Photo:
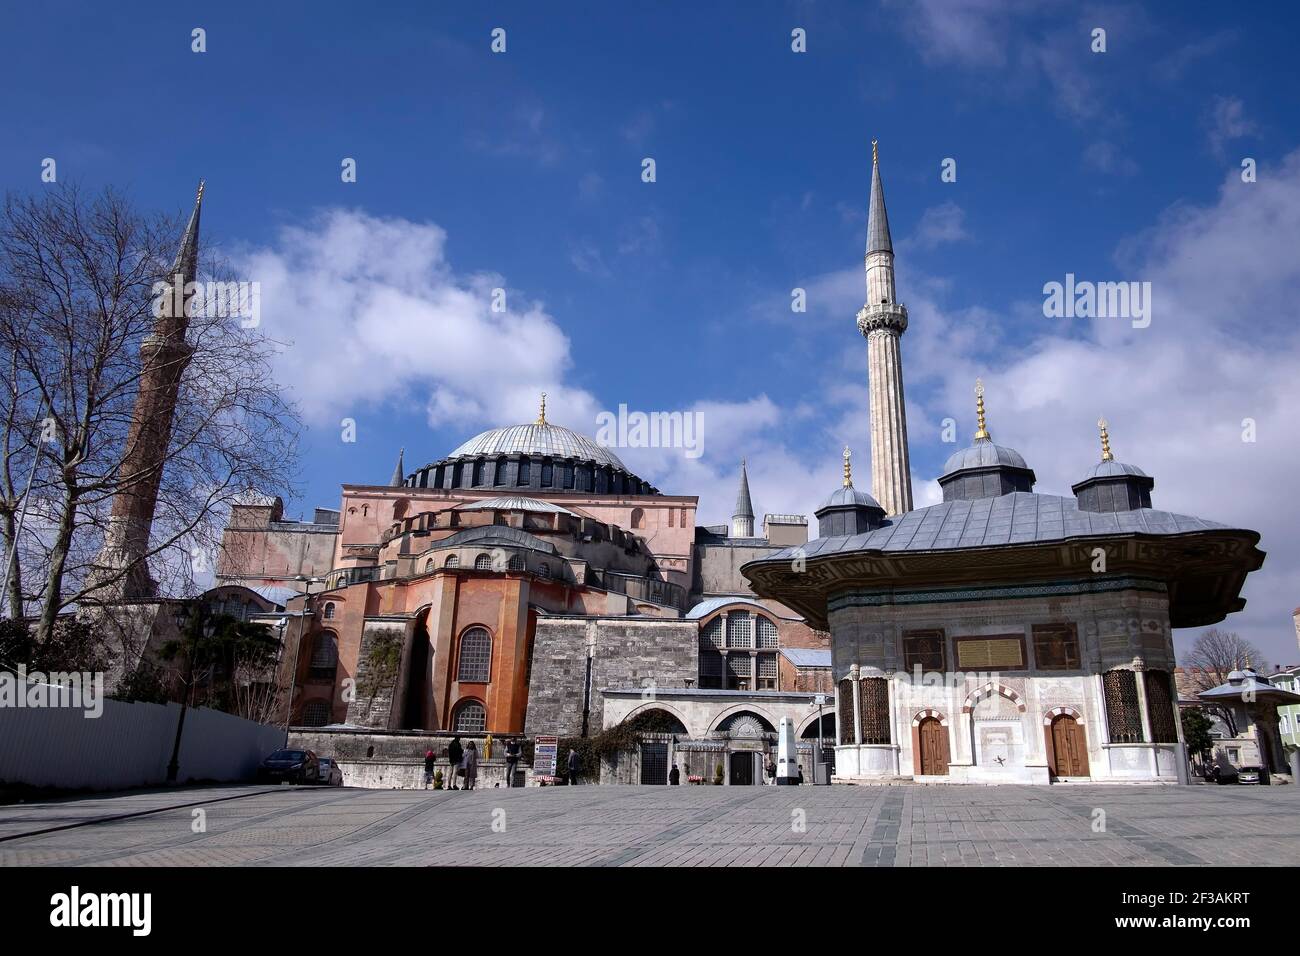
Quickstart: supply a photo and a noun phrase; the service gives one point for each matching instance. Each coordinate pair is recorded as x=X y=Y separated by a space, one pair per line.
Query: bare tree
x=1214 y=656
x=78 y=288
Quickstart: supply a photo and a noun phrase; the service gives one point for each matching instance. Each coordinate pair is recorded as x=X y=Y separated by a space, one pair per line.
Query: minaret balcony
x=890 y=316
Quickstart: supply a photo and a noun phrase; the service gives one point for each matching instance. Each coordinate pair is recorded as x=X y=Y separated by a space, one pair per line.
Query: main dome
x=536 y=439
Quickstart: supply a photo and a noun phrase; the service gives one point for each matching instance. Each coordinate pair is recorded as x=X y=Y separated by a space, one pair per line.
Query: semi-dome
x=537 y=439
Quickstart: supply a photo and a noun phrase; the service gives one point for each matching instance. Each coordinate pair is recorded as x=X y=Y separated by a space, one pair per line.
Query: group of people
x=462 y=761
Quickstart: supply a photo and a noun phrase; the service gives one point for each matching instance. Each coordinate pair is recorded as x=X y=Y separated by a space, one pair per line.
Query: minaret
x=742 y=519
x=164 y=354
x=399 y=473
x=883 y=321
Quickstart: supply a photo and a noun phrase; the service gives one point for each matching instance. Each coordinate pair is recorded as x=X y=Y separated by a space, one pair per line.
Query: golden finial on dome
x=1105 y=440
x=875 y=153
x=848 y=469
x=982 y=433
x=541 y=414
x=199 y=197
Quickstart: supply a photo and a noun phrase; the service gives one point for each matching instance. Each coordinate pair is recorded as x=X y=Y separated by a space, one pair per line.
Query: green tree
x=1196 y=733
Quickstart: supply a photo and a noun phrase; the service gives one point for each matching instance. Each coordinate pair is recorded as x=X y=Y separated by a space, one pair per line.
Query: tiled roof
x=807 y=656
x=554 y=440
x=1015 y=518
x=983 y=454
x=705 y=608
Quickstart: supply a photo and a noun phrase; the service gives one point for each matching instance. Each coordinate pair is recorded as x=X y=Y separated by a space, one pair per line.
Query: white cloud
x=939 y=224
x=371 y=308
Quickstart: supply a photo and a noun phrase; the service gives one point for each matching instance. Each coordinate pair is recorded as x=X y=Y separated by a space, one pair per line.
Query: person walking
x=674 y=776
x=770 y=770
x=512 y=760
x=470 y=762
x=428 y=768
x=573 y=767
x=454 y=753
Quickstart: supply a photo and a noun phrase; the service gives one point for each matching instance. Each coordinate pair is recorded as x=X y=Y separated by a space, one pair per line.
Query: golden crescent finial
x=982 y=432
x=199 y=197
x=848 y=468
x=1105 y=440
x=541 y=414
x=875 y=153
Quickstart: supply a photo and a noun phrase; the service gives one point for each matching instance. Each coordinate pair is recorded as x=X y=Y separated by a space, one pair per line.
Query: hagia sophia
x=528 y=582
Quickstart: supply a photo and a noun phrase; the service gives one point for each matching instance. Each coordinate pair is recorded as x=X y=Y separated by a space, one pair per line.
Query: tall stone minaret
x=883 y=321
x=742 y=519
x=399 y=473
x=164 y=354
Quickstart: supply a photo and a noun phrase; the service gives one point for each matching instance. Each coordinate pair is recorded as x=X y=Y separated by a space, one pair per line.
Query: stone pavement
x=667 y=826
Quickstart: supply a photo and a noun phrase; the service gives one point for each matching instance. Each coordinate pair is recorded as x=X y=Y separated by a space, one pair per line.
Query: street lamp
x=297 y=649
x=193 y=623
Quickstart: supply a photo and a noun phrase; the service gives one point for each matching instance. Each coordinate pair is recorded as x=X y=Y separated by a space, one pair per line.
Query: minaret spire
x=883 y=320
x=981 y=433
x=742 y=519
x=399 y=473
x=122 y=565
x=848 y=469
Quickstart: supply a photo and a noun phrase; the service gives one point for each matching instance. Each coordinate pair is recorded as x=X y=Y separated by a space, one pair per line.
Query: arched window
x=470 y=718
x=766 y=632
x=325 y=655
x=428 y=566
x=516 y=562
x=483 y=562
x=475 y=662
x=739 y=632
x=399 y=508
x=638 y=518
x=543 y=570
x=451 y=562
x=329 y=610
x=316 y=713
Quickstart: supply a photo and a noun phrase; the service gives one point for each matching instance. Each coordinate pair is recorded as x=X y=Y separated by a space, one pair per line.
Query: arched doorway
x=1069 y=750
x=932 y=747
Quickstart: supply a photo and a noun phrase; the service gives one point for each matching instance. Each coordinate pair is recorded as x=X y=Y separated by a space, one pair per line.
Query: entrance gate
x=654 y=762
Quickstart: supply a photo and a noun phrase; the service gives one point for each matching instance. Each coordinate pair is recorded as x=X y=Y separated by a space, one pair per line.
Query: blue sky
x=521 y=170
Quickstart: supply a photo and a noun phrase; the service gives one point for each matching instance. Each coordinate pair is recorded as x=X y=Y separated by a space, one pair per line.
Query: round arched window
x=543 y=570
x=329 y=610
x=451 y=562
x=516 y=562
x=471 y=718
x=483 y=562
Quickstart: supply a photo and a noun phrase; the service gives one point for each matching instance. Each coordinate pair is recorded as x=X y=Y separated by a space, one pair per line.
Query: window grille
x=739 y=630
x=316 y=713
x=452 y=561
x=471 y=718
x=1123 y=718
x=767 y=634
x=845 y=711
x=475 y=656
x=483 y=563
x=1160 y=708
x=713 y=632
x=875 y=710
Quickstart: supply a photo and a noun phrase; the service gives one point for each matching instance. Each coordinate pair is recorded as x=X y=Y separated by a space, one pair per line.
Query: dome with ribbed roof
x=1114 y=469
x=983 y=453
x=537 y=439
x=849 y=497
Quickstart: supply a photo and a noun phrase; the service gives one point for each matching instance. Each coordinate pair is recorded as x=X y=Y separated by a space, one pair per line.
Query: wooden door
x=1070 y=747
x=932 y=737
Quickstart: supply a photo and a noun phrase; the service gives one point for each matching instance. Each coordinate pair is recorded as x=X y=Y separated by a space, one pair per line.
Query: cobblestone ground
x=662 y=826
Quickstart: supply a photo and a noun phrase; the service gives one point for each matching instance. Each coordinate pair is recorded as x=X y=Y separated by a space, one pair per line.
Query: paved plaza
x=909 y=825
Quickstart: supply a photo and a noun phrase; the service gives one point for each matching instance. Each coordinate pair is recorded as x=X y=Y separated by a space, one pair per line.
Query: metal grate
x=875 y=710
x=845 y=721
x=767 y=636
x=740 y=631
x=1123 y=717
x=766 y=665
x=471 y=718
x=475 y=656
x=1160 y=707
x=713 y=632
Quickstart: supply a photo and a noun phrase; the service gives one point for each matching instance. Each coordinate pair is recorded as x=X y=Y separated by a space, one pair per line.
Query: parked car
x=1252 y=775
x=1221 y=775
x=295 y=766
x=330 y=774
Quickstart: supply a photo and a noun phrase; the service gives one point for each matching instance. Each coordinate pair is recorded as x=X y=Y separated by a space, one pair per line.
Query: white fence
x=128 y=745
